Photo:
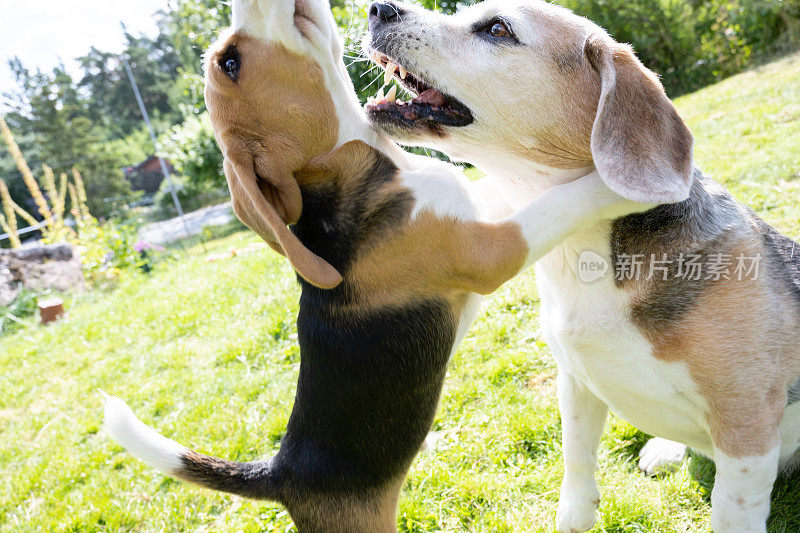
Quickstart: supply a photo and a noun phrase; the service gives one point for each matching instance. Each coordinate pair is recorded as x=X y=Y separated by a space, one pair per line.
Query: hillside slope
x=747 y=136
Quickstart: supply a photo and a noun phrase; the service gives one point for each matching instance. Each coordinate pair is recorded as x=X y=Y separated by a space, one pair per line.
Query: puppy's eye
x=231 y=67
x=230 y=62
x=499 y=30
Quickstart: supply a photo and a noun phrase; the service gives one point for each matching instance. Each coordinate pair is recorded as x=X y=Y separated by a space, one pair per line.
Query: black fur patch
x=251 y=480
x=335 y=225
x=366 y=396
x=703 y=224
x=370 y=382
x=794 y=393
x=784 y=262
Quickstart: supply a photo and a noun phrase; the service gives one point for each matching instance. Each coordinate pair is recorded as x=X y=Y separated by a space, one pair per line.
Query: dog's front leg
x=742 y=489
x=583 y=416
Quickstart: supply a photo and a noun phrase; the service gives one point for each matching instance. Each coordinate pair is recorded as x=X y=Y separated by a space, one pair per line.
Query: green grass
x=207 y=353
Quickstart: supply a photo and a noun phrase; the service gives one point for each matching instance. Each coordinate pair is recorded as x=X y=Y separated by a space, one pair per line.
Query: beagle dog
x=391 y=253
x=685 y=319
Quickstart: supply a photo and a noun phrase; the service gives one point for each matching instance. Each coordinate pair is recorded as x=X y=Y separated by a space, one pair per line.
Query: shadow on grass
x=628 y=444
x=785 y=515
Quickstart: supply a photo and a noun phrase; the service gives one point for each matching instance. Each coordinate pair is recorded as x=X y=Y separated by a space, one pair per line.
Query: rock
x=8 y=288
x=42 y=253
x=39 y=268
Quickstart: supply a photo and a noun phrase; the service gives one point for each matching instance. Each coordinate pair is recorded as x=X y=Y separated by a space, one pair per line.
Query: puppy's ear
x=640 y=145
x=267 y=207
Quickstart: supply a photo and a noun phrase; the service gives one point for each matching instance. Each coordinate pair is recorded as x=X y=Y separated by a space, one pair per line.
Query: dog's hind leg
x=661 y=456
x=583 y=416
x=742 y=489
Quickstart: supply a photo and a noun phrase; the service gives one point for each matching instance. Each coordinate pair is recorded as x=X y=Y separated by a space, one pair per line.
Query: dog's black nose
x=384 y=12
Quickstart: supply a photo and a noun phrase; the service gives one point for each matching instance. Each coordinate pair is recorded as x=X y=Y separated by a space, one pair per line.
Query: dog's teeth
x=403 y=73
x=379 y=97
x=392 y=95
x=391 y=68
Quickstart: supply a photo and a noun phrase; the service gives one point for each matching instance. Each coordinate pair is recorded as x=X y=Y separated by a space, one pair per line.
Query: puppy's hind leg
x=583 y=416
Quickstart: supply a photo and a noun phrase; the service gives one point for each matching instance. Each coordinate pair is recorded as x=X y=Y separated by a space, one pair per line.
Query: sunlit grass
x=207 y=353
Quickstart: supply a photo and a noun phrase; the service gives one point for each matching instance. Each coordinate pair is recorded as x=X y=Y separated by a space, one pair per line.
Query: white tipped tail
x=140 y=440
x=255 y=479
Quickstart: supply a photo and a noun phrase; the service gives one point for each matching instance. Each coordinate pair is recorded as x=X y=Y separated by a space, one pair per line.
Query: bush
x=693 y=43
x=108 y=251
x=194 y=153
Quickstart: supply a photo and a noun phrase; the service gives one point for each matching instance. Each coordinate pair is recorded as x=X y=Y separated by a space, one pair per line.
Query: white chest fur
x=588 y=329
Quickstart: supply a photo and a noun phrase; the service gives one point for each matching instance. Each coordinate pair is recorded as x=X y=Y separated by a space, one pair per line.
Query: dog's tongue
x=432 y=97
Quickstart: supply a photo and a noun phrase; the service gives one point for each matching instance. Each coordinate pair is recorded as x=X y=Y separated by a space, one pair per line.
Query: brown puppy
x=413 y=256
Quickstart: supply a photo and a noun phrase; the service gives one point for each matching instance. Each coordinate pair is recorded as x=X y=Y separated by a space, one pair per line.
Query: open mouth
x=429 y=107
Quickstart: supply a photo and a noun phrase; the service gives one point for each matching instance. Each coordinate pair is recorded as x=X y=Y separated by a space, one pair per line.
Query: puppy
x=391 y=255
x=694 y=334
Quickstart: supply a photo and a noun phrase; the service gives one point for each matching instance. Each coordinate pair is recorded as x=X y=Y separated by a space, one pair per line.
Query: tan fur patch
x=565 y=143
x=433 y=256
x=741 y=347
x=425 y=257
x=278 y=110
x=270 y=118
x=640 y=144
x=376 y=511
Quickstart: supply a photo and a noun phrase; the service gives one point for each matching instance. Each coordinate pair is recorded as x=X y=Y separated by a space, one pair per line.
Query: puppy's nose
x=384 y=12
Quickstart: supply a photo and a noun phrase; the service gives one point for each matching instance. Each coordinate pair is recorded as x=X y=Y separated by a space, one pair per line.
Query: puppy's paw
x=661 y=456
x=577 y=510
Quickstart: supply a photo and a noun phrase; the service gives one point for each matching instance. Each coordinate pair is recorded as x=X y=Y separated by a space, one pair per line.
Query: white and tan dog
x=694 y=333
x=392 y=254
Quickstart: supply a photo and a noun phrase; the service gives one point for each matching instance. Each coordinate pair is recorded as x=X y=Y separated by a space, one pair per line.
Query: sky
x=44 y=32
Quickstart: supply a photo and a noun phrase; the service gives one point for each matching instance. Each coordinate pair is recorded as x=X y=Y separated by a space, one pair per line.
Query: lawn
x=207 y=353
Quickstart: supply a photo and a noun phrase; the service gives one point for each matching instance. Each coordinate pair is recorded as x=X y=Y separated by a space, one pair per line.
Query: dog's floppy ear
x=640 y=145
x=267 y=207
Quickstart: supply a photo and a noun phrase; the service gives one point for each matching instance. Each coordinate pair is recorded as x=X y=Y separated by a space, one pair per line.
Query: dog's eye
x=231 y=63
x=495 y=31
x=231 y=67
x=499 y=30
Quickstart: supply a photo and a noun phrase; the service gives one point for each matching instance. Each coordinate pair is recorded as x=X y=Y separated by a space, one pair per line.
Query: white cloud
x=44 y=32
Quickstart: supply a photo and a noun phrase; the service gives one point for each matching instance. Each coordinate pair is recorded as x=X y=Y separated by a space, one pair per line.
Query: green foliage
x=692 y=43
x=111 y=251
x=194 y=25
x=94 y=123
x=193 y=151
x=20 y=314
x=55 y=128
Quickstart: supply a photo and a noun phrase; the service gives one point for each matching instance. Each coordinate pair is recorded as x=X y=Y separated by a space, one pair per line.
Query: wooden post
x=51 y=310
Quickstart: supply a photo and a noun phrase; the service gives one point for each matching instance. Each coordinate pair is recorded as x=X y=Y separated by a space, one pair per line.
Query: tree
x=49 y=113
x=155 y=63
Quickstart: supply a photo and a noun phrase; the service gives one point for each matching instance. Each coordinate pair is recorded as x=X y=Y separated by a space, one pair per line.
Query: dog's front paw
x=661 y=456
x=577 y=510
